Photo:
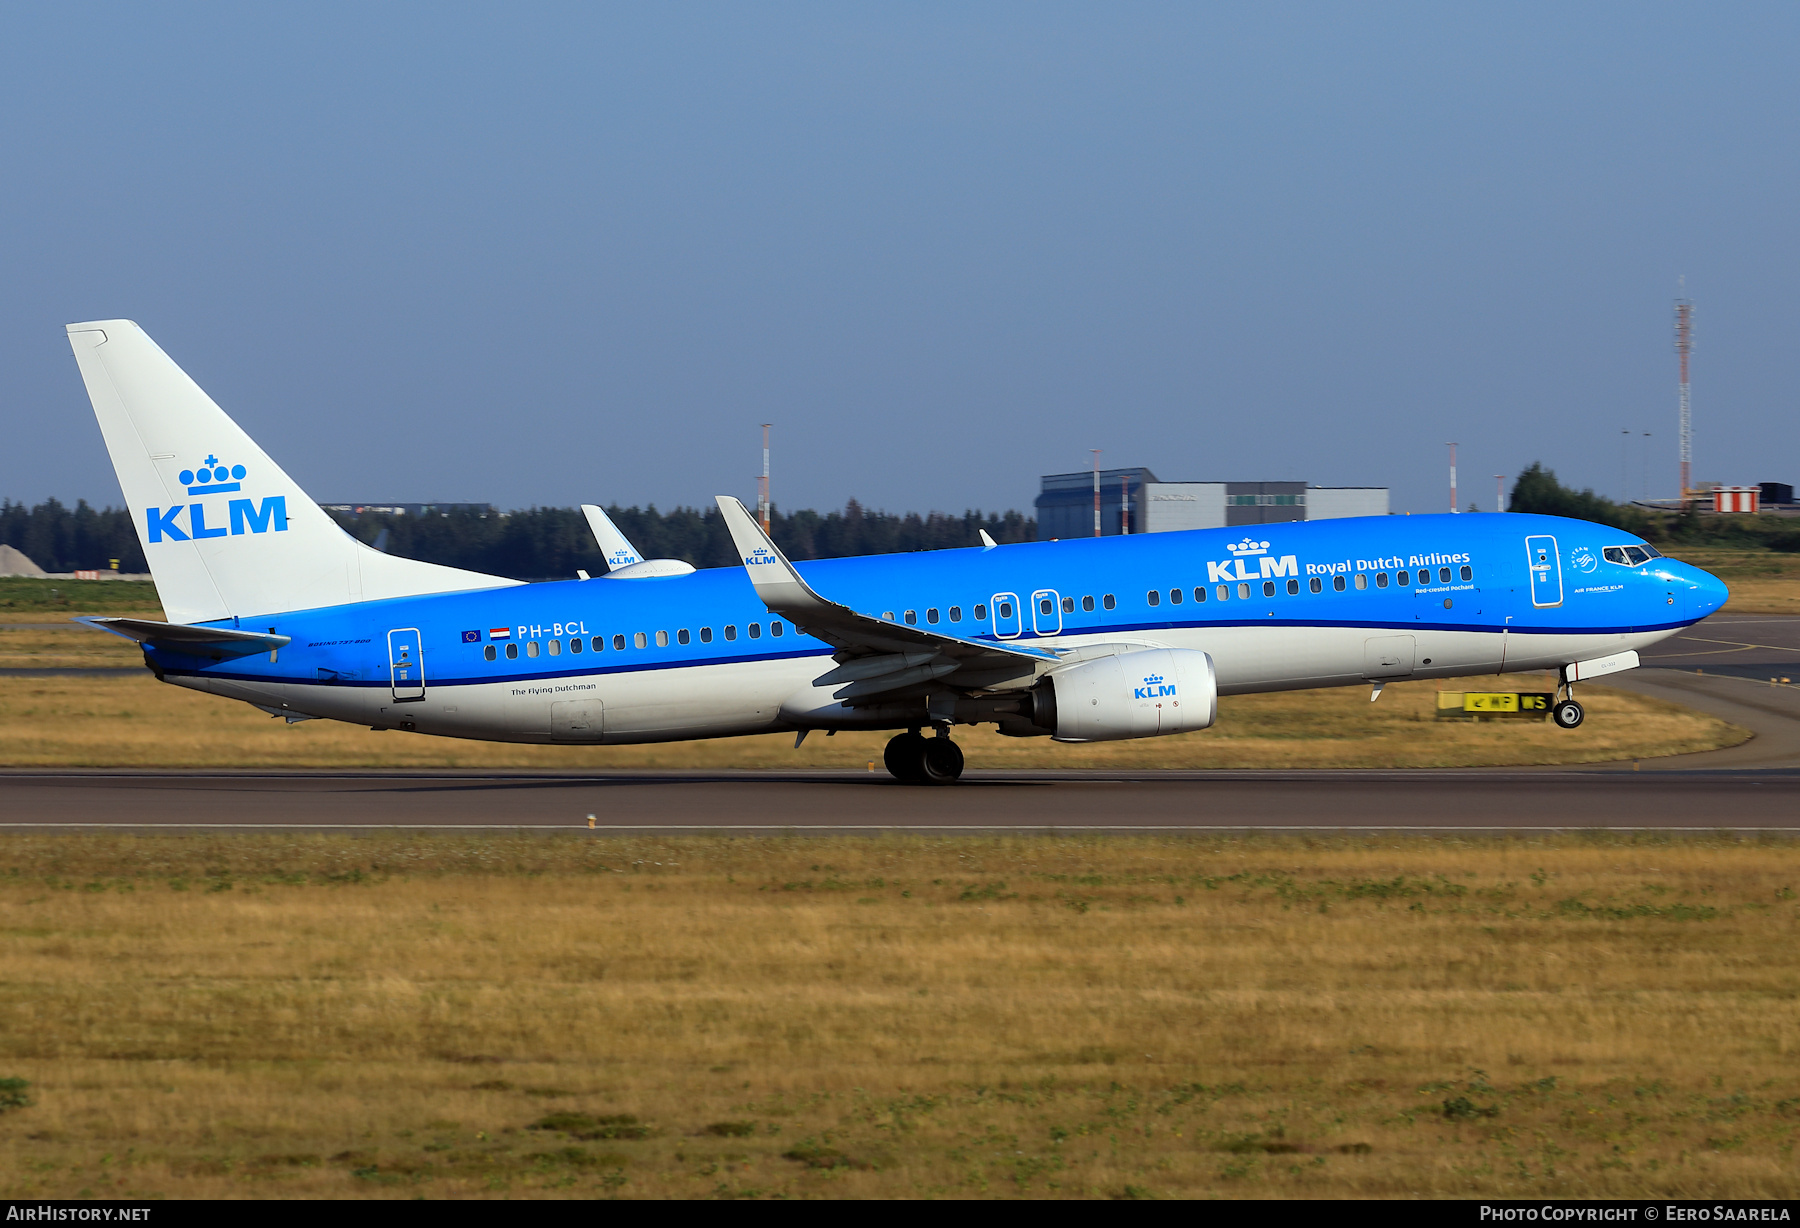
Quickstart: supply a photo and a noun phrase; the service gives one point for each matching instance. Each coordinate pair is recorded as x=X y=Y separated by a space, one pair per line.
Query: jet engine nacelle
x=1134 y=695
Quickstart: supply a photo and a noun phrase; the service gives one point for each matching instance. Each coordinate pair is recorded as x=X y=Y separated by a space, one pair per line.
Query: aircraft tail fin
x=618 y=551
x=226 y=531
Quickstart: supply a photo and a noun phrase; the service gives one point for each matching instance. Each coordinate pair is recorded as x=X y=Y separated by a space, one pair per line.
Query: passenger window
x=556 y=648
x=1153 y=597
x=1381 y=579
x=931 y=615
x=706 y=635
x=1006 y=609
x=1199 y=594
x=1443 y=575
x=1293 y=588
x=488 y=652
x=1337 y=584
x=1107 y=601
x=1174 y=596
x=1467 y=574
x=575 y=645
x=776 y=629
x=1087 y=603
x=955 y=613
x=512 y=652
x=531 y=649
x=912 y=618
x=1268 y=588
x=640 y=640
x=599 y=643
x=1315 y=585
x=1362 y=581
x=756 y=631
x=730 y=631
x=981 y=613
x=888 y=614
x=681 y=636
x=1243 y=592
x=662 y=639
x=1224 y=592
x=618 y=643
x=1403 y=579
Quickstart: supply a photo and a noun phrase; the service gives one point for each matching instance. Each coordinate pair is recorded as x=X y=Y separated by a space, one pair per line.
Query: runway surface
x=1751 y=788
x=835 y=801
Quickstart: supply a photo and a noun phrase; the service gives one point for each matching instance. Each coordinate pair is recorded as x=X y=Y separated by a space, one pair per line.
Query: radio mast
x=762 y=484
x=1452 y=448
x=1684 y=342
x=1096 y=452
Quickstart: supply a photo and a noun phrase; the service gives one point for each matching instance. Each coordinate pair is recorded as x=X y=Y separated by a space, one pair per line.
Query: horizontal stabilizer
x=215 y=642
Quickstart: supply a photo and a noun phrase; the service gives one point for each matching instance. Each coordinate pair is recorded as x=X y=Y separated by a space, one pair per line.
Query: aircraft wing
x=618 y=551
x=215 y=642
x=875 y=656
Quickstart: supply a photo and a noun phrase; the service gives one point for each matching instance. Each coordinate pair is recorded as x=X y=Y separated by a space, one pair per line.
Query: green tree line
x=1537 y=490
x=537 y=543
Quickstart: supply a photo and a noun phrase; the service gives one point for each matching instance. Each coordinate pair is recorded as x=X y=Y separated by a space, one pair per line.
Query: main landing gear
x=914 y=759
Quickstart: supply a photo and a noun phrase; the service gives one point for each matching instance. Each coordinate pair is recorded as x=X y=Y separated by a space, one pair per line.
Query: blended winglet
x=775 y=579
x=619 y=552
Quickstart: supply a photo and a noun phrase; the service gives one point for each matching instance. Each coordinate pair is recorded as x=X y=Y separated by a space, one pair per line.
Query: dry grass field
x=134 y=721
x=453 y=1016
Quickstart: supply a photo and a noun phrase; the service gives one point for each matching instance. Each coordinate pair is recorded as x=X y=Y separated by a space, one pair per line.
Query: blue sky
x=546 y=254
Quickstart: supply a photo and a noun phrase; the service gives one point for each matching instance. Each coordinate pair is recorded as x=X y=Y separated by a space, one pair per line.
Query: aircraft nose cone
x=1709 y=594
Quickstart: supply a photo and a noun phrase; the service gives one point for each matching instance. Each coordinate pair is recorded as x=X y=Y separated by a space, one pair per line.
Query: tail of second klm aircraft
x=226 y=531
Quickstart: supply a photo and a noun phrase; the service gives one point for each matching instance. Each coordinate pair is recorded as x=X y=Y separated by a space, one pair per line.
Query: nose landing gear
x=1567 y=714
x=914 y=759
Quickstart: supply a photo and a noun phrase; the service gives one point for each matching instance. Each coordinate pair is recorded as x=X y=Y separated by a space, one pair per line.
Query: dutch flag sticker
x=500 y=633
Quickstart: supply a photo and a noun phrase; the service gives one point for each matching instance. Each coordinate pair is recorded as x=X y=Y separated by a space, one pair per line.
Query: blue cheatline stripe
x=634 y=667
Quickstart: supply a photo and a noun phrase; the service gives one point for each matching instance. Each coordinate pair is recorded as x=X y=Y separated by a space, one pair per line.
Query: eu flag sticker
x=471 y=637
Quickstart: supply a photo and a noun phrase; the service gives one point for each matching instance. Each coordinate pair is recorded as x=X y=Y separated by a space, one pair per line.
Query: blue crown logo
x=1248 y=546
x=212 y=478
x=1152 y=679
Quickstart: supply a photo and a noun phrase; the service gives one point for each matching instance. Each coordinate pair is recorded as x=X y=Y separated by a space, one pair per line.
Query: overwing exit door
x=1546 y=570
x=406 y=665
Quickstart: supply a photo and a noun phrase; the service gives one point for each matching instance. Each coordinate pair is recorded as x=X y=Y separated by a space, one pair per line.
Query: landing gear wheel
x=943 y=762
x=905 y=758
x=1567 y=714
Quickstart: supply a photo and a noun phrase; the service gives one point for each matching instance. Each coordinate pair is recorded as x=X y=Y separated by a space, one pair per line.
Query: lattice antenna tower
x=1684 y=344
x=762 y=483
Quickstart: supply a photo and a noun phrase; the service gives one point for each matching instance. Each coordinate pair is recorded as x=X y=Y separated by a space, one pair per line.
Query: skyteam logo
x=1268 y=566
x=241 y=516
x=1154 y=688
x=759 y=556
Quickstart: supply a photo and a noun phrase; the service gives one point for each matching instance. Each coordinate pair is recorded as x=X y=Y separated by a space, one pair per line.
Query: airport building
x=1135 y=501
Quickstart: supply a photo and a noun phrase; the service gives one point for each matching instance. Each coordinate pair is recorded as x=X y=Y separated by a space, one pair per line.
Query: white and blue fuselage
x=1288 y=606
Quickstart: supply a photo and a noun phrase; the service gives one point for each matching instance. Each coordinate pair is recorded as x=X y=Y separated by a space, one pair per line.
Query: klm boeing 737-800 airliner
x=271 y=603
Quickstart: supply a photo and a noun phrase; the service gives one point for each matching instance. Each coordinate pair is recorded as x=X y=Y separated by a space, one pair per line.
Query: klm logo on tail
x=242 y=515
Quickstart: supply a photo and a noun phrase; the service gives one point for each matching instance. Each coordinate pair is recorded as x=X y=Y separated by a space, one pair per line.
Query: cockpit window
x=1630 y=556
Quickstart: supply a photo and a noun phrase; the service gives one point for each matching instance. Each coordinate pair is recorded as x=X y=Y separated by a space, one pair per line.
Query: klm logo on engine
x=241 y=516
x=1268 y=567
x=758 y=557
x=1154 y=688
